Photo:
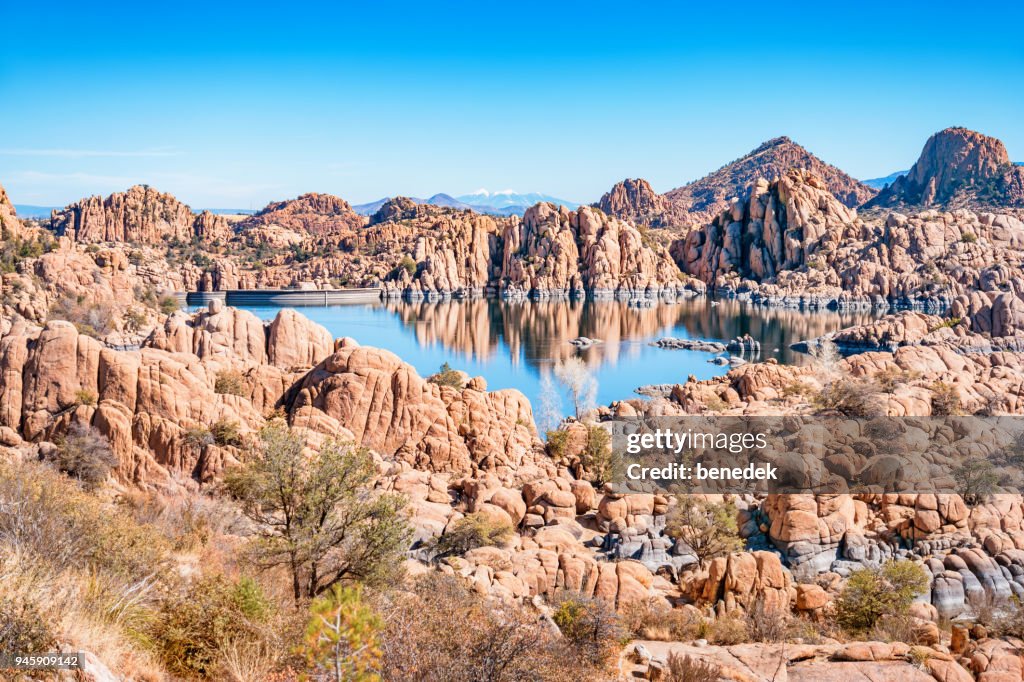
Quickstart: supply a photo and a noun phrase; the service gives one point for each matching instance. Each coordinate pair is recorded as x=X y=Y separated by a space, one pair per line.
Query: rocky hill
x=707 y=197
x=141 y=215
x=958 y=167
x=702 y=200
x=312 y=213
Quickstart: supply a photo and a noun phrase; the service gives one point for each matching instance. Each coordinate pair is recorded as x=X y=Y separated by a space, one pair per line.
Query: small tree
x=446 y=376
x=581 y=384
x=976 y=479
x=598 y=459
x=318 y=514
x=871 y=593
x=709 y=529
x=342 y=637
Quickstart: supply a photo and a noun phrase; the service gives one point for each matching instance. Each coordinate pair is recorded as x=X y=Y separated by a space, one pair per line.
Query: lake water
x=512 y=344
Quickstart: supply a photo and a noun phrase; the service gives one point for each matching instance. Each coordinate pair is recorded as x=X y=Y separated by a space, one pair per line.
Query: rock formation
x=312 y=213
x=636 y=202
x=957 y=167
x=10 y=224
x=791 y=243
x=140 y=214
x=709 y=196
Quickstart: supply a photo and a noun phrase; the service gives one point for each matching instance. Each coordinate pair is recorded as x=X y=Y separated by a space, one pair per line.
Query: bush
x=230 y=382
x=199 y=437
x=683 y=668
x=193 y=627
x=850 y=398
x=557 y=441
x=23 y=628
x=945 y=400
x=656 y=620
x=86 y=397
x=493 y=641
x=446 y=376
x=766 y=623
x=226 y=432
x=168 y=305
x=871 y=593
x=968 y=237
x=590 y=626
x=407 y=264
x=94 y=319
x=709 y=529
x=85 y=455
x=472 y=531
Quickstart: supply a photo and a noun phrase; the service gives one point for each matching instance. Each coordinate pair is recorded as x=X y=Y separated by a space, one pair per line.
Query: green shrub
x=871 y=593
x=968 y=237
x=557 y=442
x=84 y=396
x=168 y=305
x=471 y=531
x=226 y=432
x=976 y=479
x=446 y=376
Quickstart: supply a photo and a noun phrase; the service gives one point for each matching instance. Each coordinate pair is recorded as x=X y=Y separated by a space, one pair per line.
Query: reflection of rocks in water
x=542 y=331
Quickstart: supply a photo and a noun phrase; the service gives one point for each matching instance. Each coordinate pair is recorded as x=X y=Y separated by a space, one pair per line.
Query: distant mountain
x=482 y=201
x=31 y=211
x=880 y=183
x=507 y=199
x=957 y=167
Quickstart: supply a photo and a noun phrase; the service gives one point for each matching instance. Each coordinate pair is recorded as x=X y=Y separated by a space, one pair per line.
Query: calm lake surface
x=512 y=344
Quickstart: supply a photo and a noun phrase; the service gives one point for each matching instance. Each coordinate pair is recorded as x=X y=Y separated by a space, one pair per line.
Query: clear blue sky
x=232 y=106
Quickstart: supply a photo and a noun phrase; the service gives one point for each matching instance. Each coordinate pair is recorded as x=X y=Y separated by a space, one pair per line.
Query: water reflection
x=512 y=344
x=539 y=331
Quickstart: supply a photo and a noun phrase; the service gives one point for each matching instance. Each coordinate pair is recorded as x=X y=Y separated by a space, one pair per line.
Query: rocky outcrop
x=10 y=224
x=790 y=243
x=635 y=201
x=704 y=199
x=388 y=407
x=779 y=226
x=957 y=167
x=140 y=214
x=312 y=214
x=554 y=250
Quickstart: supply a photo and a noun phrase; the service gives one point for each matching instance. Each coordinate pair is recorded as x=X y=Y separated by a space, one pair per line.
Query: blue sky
x=232 y=106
